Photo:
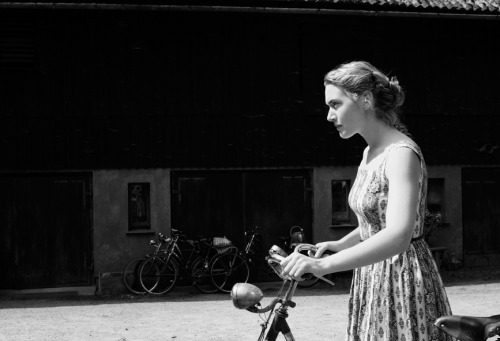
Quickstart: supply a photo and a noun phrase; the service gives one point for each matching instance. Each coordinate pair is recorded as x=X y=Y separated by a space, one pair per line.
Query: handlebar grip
x=306 y=276
x=277 y=257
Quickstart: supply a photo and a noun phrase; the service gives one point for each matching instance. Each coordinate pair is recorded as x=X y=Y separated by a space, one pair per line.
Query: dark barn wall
x=132 y=95
x=124 y=89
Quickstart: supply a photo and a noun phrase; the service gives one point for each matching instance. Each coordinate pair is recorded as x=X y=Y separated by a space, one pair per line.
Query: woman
x=396 y=292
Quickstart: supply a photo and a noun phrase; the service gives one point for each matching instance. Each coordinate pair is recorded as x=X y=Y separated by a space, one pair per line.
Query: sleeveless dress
x=401 y=297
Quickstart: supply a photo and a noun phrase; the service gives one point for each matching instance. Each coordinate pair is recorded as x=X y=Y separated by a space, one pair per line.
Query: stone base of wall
x=110 y=283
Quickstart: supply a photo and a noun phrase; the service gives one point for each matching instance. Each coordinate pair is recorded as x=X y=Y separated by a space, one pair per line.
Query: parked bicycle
x=130 y=273
x=248 y=296
x=184 y=259
x=237 y=266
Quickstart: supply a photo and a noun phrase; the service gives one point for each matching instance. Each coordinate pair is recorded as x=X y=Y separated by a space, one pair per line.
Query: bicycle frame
x=248 y=296
x=185 y=262
x=250 y=243
x=250 y=256
x=279 y=324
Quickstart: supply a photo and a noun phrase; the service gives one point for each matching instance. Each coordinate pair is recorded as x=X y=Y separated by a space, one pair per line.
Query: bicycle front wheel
x=201 y=276
x=158 y=275
x=228 y=269
x=131 y=276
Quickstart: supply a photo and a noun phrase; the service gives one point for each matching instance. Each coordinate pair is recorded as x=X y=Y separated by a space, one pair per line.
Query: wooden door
x=230 y=202
x=208 y=204
x=276 y=201
x=481 y=216
x=45 y=231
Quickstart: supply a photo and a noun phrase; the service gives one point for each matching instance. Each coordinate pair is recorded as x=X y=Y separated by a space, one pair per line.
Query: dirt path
x=321 y=314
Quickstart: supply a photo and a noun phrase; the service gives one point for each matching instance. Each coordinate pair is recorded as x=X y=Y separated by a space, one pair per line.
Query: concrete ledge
x=83 y=291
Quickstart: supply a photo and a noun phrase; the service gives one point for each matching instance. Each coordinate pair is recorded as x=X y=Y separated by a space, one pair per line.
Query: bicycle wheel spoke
x=226 y=270
x=201 y=277
x=158 y=276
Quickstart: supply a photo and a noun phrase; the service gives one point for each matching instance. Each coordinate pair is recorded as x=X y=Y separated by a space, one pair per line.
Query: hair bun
x=397 y=92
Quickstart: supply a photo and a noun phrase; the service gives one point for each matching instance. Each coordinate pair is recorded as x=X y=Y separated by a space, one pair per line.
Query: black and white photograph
x=250 y=170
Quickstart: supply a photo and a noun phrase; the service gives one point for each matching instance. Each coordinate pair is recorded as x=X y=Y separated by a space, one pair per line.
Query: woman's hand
x=322 y=247
x=297 y=264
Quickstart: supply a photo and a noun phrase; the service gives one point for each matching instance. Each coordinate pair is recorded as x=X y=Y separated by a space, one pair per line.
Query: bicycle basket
x=222 y=244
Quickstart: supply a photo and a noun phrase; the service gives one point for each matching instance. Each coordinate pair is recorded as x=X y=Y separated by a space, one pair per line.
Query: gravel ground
x=185 y=314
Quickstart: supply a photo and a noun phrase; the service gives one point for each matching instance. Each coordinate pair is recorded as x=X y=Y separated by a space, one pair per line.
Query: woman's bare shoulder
x=405 y=160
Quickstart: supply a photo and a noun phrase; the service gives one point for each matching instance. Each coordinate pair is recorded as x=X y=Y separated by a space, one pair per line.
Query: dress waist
x=411 y=241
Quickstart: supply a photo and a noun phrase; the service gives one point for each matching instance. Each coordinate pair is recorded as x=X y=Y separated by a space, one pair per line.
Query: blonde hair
x=359 y=76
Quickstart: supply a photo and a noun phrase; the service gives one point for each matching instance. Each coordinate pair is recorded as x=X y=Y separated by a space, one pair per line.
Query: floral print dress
x=401 y=297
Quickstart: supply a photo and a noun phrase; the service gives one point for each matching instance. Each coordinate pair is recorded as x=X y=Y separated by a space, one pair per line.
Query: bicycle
x=248 y=296
x=160 y=273
x=236 y=266
x=130 y=274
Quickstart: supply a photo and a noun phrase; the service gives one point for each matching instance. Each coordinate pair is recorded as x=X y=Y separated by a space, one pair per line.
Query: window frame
x=340 y=210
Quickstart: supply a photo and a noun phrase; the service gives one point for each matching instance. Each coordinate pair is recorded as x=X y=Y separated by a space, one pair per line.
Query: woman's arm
x=349 y=240
x=402 y=171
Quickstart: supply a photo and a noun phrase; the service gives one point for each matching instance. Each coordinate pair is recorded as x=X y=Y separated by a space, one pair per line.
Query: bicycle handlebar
x=269 y=307
x=305 y=247
x=242 y=293
x=275 y=262
x=277 y=255
x=252 y=231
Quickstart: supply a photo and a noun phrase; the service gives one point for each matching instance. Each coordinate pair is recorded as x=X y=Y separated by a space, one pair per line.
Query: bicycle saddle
x=469 y=328
x=245 y=295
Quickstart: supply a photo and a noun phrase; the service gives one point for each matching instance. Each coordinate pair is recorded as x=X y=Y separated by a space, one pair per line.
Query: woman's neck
x=380 y=135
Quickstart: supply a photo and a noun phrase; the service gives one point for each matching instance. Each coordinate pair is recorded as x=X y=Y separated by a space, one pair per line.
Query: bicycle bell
x=245 y=295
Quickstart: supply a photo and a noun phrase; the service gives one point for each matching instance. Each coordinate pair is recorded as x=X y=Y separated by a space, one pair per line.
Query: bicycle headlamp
x=245 y=295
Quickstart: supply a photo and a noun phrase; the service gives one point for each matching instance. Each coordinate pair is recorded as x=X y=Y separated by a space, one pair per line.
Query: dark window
x=435 y=195
x=138 y=206
x=340 y=206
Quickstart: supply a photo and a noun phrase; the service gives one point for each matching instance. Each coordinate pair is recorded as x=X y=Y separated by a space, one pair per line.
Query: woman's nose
x=331 y=117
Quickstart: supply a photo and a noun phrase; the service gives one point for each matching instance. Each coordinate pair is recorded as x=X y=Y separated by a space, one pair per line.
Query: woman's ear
x=367 y=100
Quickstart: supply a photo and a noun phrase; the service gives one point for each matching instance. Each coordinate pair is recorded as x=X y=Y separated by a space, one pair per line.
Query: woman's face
x=346 y=114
